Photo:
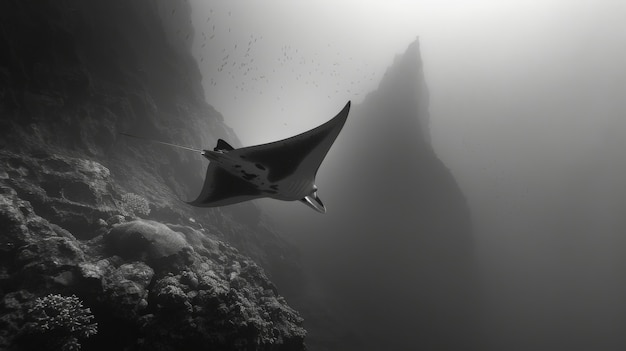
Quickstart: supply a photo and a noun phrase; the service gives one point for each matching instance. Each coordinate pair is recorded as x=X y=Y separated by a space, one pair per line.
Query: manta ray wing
x=298 y=157
x=222 y=188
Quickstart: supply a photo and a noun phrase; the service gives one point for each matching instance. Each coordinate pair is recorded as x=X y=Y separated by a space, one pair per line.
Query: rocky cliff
x=396 y=247
x=85 y=212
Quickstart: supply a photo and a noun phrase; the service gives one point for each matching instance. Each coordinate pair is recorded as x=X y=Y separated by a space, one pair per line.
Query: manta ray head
x=313 y=201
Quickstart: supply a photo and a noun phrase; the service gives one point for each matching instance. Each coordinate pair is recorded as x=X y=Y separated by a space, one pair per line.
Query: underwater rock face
x=178 y=277
x=72 y=79
x=70 y=192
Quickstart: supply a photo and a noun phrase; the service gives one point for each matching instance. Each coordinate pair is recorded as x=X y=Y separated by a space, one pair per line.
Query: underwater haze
x=471 y=193
x=526 y=110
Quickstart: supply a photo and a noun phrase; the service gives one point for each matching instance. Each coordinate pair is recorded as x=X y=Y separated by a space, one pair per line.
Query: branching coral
x=61 y=320
x=133 y=205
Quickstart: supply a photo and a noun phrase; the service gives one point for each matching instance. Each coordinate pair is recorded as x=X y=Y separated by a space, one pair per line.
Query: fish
x=282 y=170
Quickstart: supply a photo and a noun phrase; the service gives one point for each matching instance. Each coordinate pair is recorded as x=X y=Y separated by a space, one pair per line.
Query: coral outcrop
x=150 y=285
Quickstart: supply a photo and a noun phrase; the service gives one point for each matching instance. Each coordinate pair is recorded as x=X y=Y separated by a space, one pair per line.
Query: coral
x=134 y=205
x=61 y=321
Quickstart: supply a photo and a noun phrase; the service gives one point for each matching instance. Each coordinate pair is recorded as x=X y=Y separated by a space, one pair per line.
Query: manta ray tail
x=163 y=143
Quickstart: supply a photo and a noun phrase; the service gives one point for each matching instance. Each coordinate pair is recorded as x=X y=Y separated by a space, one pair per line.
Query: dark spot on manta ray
x=259 y=166
x=237 y=166
x=248 y=176
x=275 y=186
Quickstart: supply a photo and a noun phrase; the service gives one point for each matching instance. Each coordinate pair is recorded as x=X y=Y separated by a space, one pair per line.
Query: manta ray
x=283 y=170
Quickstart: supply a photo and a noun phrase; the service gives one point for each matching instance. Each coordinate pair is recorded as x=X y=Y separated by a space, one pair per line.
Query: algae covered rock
x=146 y=240
x=73 y=193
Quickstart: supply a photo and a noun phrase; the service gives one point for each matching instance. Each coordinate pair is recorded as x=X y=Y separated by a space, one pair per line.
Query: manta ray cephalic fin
x=223 y=146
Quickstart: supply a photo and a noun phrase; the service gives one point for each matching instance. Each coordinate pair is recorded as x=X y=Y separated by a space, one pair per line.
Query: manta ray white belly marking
x=282 y=170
